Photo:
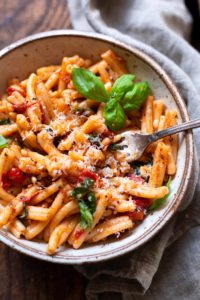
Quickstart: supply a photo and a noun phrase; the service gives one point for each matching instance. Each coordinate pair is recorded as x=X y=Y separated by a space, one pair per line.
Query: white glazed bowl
x=25 y=56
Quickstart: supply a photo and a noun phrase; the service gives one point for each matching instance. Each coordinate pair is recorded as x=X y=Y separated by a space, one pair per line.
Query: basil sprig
x=124 y=95
x=158 y=202
x=86 y=201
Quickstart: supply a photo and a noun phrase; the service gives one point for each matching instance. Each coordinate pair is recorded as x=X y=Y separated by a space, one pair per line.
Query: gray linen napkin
x=161 y=28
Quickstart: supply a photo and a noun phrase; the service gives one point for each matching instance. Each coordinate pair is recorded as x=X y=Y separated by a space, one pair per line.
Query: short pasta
x=62 y=178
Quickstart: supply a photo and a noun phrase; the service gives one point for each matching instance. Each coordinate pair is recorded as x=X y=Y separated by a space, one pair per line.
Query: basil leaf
x=79 y=193
x=89 y=85
x=3 y=142
x=158 y=202
x=87 y=183
x=86 y=216
x=134 y=98
x=121 y=86
x=91 y=201
x=4 y=122
x=114 y=115
x=86 y=201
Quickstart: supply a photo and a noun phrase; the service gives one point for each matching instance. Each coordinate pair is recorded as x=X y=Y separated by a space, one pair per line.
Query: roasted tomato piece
x=87 y=174
x=11 y=89
x=5 y=182
x=20 y=108
x=78 y=233
x=142 y=202
x=15 y=175
x=137 y=215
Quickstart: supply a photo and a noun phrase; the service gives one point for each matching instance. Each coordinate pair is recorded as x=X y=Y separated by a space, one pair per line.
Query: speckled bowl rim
x=148 y=234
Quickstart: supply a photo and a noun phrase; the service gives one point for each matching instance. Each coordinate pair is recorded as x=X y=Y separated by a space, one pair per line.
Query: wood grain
x=23 y=277
x=20 y=18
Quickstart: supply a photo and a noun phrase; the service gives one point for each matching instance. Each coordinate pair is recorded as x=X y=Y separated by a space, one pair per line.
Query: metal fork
x=133 y=144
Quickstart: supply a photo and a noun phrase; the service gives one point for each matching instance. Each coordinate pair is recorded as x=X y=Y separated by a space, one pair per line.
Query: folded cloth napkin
x=160 y=28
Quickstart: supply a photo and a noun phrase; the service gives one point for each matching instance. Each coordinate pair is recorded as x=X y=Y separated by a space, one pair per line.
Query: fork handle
x=175 y=129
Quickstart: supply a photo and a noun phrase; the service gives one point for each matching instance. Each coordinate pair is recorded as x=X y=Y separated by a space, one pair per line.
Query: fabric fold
x=120 y=274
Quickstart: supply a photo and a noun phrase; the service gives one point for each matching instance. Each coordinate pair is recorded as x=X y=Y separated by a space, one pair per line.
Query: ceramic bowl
x=25 y=56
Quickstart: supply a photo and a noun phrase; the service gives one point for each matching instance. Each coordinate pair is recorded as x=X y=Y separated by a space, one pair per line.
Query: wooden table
x=22 y=277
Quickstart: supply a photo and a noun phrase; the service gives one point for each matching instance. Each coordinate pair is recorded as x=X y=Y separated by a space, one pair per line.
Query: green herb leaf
x=87 y=183
x=89 y=85
x=134 y=98
x=86 y=201
x=3 y=142
x=86 y=216
x=122 y=85
x=124 y=95
x=25 y=214
x=114 y=115
x=158 y=202
x=4 y=122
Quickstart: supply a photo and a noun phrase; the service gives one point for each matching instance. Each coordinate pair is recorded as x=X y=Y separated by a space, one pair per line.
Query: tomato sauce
x=87 y=174
x=16 y=175
x=10 y=90
x=20 y=108
x=78 y=233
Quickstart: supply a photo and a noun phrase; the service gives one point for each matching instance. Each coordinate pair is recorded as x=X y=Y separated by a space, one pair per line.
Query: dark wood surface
x=22 y=277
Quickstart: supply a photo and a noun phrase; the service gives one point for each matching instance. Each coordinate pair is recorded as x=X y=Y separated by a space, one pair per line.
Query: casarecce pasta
x=62 y=177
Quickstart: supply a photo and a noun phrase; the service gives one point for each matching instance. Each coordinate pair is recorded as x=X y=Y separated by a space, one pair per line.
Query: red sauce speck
x=87 y=174
x=78 y=233
x=10 y=90
x=5 y=182
x=15 y=175
x=137 y=215
x=42 y=111
x=21 y=108
x=142 y=202
x=28 y=199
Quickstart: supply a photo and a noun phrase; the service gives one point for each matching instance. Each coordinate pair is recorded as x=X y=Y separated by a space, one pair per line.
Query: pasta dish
x=63 y=178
